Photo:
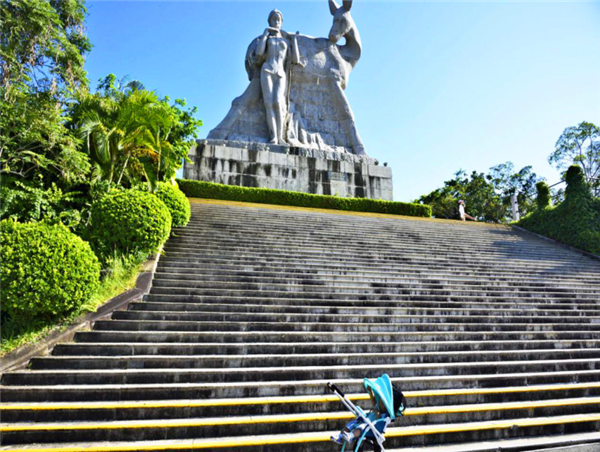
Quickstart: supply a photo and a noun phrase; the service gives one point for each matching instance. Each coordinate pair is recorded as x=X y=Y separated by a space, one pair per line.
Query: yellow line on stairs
x=288 y=418
x=245 y=401
x=324 y=436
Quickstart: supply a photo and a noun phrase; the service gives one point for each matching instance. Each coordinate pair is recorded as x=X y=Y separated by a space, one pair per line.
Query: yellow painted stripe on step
x=178 y=403
x=171 y=423
x=491 y=425
x=308 y=417
x=48 y=406
x=338 y=212
x=507 y=390
x=421 y=411
x=324 y=436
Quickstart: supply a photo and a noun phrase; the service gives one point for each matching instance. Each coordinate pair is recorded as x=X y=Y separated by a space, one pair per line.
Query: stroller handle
x=334 y=388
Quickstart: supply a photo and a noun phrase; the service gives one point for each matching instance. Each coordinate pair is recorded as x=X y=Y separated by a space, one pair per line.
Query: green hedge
x=544 y=199
x=46 y=270
x=575 y=222
x=198 y=189
x=176 y=202
x=128 y=223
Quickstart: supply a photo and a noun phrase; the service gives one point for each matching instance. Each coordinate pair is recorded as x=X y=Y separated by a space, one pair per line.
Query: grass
x=120 y=277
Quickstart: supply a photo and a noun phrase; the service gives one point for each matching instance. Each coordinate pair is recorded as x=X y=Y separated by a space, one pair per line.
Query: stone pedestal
x=288 y=168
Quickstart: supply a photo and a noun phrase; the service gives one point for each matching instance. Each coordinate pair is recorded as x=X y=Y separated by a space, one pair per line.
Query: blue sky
x=440 y=85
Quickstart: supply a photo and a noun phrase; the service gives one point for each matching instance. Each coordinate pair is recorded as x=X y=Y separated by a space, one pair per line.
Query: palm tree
x=113 y=125
x=132 y=135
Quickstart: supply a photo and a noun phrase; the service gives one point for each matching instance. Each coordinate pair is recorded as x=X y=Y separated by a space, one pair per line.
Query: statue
x=274 y=48
x=296 y=92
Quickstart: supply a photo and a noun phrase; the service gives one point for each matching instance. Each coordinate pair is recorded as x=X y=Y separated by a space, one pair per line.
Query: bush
x=543 y=195
x=128 y=223
x=198 y=189
x=176 y=202
x=46 y=270
x=575 y=222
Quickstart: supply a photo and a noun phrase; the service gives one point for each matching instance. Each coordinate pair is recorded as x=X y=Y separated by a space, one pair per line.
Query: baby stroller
x=388 y=403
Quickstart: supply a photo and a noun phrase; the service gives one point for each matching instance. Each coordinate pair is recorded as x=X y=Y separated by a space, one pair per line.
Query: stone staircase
x=493 y=335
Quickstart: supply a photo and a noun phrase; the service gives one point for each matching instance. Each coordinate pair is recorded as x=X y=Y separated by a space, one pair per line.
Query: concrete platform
x=288 y=168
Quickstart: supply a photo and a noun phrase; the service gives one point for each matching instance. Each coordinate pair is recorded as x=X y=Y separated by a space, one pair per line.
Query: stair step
x=158 y=409
x=319 y=259
x=566 y=443
x=350 y=298
x=15 y=433
x=180 y=275
x=298 y=348
x=149 y=336
x=290 y=373
x=230 y=304
x=409 y=269
x=328 y=359
x=355 y=287
x=408 y=325
x=394 y=318
x=261 y=307
x=160 y=391
x=493 y=335
x=319 y=441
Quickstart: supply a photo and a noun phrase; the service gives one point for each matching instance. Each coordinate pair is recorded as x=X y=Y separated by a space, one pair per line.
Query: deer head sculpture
x=344 y=27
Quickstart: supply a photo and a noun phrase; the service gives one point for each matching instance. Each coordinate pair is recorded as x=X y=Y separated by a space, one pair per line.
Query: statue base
x=288 y=168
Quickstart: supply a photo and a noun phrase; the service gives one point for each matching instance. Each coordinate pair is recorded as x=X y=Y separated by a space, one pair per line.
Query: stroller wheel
x=376 y=447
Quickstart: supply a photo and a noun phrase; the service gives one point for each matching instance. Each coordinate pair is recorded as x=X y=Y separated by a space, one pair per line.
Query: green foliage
x=487 y=197
x=46 y=270
x=128 y=223
x=131 y=134
x=43 y=43
x=27 y=201
x=580 y=145
x=576 y=186
x=506 y=182
x=576 y=221
x=63 y=150
x=481 y=200
x=176 y=202
x=544 y=198
x=197 y=189
x=42 y=47
x=34 y=139
x=117 y=278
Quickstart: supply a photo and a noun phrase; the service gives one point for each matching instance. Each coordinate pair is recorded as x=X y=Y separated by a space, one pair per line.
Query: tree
x=42 y=48
x=477 y=192
x=131 y=134
x=507 y=182
x=111 y=123
x=580 y=145
x=487 y=196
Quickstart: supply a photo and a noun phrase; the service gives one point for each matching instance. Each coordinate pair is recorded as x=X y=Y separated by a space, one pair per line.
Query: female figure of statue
x=274 y=46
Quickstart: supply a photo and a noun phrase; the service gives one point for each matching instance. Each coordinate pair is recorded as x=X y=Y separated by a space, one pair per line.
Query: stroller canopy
x=383 y=391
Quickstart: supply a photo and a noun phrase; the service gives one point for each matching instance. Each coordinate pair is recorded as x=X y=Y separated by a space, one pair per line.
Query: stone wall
x=288 y=168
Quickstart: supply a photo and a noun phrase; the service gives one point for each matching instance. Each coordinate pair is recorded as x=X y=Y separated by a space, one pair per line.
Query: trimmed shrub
x=46 y=270
x=198 y=189
x=128 y=223
x=575 y=222
x=176 y=202
x=543 y=195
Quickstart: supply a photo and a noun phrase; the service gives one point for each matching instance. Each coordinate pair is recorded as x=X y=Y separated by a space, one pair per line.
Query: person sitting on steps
x=463 y=215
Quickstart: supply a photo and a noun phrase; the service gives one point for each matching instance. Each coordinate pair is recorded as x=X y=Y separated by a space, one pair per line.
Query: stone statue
x=296 y=92
x=274 y=47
